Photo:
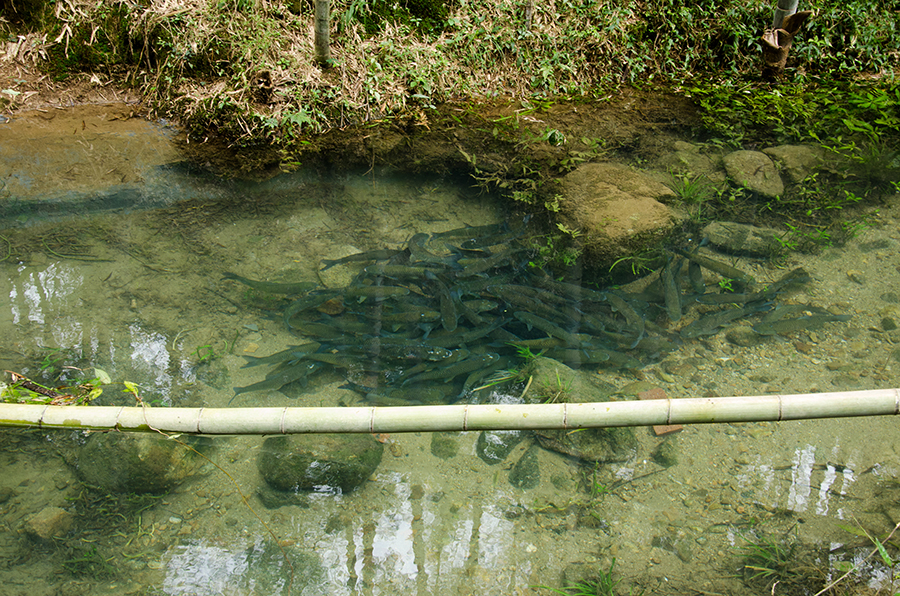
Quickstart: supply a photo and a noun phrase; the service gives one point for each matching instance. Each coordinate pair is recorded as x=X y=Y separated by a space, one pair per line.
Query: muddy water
x=140 y=294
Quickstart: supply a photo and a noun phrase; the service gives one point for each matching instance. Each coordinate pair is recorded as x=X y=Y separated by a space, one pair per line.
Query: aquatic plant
x=602 y=585
x=769 y=559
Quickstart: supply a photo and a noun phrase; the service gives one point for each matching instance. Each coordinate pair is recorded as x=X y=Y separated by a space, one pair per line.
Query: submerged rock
x=666 y=453
x=314 y=462
x=134 y=463
x=615 y=207
x=755 y=171
x=526 y=473
x=48 y=523
x=689 y=160
x=444 y=445
x=746 y=239
x=797 y=161
x=555 y=382
x=494 y=445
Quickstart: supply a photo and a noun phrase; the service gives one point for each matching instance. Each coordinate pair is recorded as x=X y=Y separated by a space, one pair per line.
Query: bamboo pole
x=273 y=421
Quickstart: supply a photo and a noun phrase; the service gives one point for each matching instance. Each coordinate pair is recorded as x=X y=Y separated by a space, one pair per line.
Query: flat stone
x=755 y=171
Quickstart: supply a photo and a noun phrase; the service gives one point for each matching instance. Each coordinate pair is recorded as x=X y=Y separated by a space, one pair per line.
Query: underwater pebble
x=856 y=277
x=888 y=324
x=664 y=376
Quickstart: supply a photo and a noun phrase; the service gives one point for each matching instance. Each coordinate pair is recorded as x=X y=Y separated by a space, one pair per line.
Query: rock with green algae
x=555 y=382
x=134 y=463
x=314 y=462
x=526 y=473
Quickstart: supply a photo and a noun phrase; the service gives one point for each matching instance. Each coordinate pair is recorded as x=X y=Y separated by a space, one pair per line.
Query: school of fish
x=432 y=321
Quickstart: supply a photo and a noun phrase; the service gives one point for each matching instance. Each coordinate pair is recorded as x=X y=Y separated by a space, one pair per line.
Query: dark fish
x=449 y=317
x=448 y=373
x=309 y=301
x=573 y=292
x=709 y=324
x=456 y=338
x=574 y=356
x=408 y=350
x=297 y=372
x=375 y=292
x=338 y=360
x=797 y=324
x=797 y=276
x=272 y=287
x=784 y=310
x=291 y=353
x=399 y=271
x=668 y=275
x=472 y=380
x=635 y=320
x=411 y=317
x=479 y=306
x=369 y=255
x=318 y=330
x=419 y=254
x=472 y=231
x=547 y=327
x=695 y=277
x=722 y=269
x=478 y=266
x=527 y=303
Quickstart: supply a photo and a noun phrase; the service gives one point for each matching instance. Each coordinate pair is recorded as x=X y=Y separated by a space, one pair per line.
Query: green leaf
x=883 y=552
x=102 y=376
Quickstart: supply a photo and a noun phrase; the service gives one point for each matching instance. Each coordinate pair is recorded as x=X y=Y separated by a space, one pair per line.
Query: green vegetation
x=602 y=585
x=245 y=69
x=768 y=560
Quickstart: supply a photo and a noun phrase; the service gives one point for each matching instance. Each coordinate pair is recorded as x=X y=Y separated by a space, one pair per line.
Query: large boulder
x=134 y=463
x=315 y=462
x=616 y=208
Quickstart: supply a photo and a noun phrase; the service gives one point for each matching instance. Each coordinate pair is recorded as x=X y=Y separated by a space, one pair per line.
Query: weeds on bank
x=245 y=67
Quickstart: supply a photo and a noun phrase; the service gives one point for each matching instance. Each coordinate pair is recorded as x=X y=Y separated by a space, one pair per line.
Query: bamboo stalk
x=273 y=421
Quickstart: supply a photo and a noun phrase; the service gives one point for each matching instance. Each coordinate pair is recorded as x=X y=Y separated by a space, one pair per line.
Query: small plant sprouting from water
x=604 y=584
x=769 y=559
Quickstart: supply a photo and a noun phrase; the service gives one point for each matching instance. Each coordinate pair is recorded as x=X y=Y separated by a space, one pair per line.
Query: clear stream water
x=140 y=294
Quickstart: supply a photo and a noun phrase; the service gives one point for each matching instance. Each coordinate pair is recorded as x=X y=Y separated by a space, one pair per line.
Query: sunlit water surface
x=145 y=301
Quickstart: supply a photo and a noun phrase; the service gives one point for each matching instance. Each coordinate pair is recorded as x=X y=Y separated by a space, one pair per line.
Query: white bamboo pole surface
x=272 y=421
